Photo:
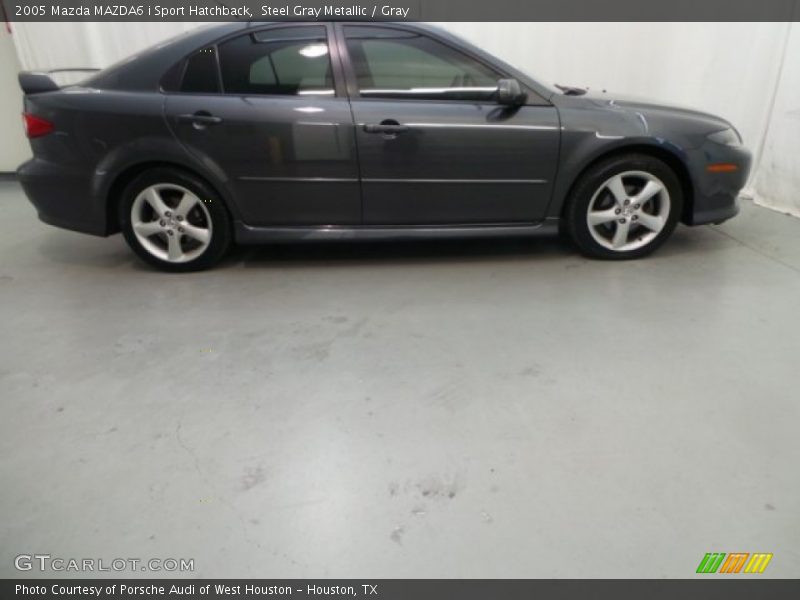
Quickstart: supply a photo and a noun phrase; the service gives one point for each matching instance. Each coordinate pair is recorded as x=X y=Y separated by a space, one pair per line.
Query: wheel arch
x=672 y=160
x=117 y=185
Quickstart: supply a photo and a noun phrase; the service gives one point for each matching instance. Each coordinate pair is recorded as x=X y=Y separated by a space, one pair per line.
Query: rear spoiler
x=38 y=82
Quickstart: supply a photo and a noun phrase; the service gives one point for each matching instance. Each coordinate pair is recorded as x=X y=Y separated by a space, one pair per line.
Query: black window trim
x=333 y=55
x=184 y=65
x=344 y=80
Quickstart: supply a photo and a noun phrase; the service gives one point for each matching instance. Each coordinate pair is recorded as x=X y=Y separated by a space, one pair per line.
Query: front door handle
x=388 y=127
x=200 y=119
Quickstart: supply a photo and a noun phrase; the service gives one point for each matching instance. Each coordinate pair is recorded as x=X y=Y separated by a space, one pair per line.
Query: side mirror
x=509 y=93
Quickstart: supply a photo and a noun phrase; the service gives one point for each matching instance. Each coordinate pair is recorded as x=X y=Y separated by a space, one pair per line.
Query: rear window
x=288 y=61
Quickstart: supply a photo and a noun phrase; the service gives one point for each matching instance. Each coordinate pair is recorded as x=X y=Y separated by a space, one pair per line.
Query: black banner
x=402 y=10
x=733 y=588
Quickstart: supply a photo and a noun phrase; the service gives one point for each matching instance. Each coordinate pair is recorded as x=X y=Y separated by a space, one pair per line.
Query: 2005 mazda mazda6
x=265 y=132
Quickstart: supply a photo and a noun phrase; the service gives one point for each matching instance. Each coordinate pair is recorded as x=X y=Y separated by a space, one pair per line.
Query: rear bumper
x=62 y=197
x=716 y=193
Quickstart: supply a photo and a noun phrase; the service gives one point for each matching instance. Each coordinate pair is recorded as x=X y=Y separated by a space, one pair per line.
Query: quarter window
x=392 y=63
x=290 y=61
x=200 y=75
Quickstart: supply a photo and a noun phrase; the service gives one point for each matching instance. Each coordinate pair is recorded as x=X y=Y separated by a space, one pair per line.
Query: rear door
x=434 y=146
x=266 y=110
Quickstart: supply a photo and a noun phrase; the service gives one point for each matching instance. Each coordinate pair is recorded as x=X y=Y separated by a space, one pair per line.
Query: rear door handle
x=387 y=127
x=200 y=119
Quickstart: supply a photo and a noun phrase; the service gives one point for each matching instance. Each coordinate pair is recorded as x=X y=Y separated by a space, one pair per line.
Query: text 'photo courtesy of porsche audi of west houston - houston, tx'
x=269 y=132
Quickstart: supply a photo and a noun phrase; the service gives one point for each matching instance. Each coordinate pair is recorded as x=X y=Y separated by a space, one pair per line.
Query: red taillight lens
x=36 y=126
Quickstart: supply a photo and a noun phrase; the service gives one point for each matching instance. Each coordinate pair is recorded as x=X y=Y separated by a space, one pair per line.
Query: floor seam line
x=756 y=250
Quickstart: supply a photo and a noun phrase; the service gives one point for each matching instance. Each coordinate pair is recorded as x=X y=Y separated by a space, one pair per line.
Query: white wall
x=48 y=45
x=14 y=148
x=777 y=183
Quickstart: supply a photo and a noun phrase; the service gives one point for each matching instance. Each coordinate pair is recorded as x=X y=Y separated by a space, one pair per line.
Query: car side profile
x=266 y=132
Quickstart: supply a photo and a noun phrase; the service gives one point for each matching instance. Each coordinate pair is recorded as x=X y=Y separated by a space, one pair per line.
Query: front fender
x=588 y=136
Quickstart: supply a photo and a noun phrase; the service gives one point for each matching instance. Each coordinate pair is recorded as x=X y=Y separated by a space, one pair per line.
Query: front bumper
x=62 y=197
x=715 y=194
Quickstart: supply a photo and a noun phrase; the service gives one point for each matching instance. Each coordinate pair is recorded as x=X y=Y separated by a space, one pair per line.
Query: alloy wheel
x=628 y=211
x=171 y=222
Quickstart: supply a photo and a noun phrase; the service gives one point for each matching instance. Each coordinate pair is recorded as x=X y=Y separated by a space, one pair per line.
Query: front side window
x=290 y=61
x=392 y=63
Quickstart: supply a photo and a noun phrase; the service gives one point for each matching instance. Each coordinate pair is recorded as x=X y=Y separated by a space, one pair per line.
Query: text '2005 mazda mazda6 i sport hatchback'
x=265 y=132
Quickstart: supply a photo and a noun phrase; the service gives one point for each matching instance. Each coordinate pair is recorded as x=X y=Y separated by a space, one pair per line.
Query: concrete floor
x=492 y=409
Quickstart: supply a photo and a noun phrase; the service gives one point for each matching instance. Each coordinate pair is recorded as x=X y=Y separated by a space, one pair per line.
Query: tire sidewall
x=220 y=219
x=589 y=183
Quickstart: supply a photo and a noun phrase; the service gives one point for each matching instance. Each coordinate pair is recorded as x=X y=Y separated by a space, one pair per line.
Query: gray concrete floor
x=492 y=409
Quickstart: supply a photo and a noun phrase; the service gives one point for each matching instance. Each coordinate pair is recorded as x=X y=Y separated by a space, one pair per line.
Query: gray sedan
x=265 y=132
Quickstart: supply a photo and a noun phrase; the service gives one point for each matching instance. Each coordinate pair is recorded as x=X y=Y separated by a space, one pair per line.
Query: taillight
x=36 y=126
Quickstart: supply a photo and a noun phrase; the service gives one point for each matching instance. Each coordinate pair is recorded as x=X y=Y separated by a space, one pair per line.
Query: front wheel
x=174 y=221
x=624 y=207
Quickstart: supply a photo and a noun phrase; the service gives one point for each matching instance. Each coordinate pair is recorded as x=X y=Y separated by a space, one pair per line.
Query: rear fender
x=128 y=159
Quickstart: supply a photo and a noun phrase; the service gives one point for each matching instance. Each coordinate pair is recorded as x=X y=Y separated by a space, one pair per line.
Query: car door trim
x=483 y=126
x=301 y=179
x=492 y=181
x=247 y=234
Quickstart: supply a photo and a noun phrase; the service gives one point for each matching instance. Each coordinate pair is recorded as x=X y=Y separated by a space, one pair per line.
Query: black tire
x=593 y=180
x=212 y=209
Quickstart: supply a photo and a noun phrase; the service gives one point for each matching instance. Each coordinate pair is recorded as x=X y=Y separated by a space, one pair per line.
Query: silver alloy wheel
x=628 y=211
x=171 y=222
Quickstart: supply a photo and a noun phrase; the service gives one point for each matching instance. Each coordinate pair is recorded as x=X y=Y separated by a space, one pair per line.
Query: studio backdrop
x=748 y=73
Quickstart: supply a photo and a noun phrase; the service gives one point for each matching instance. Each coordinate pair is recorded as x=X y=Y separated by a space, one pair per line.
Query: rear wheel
x=624 y=207
x=174 y=221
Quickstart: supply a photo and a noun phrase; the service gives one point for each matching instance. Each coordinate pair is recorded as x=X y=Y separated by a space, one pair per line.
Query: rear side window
x=399 y=64
x=201 y=75
x=289 y=61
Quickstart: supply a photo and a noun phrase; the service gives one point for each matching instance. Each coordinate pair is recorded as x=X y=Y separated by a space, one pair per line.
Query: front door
x=434 y=146
x=263 y=109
